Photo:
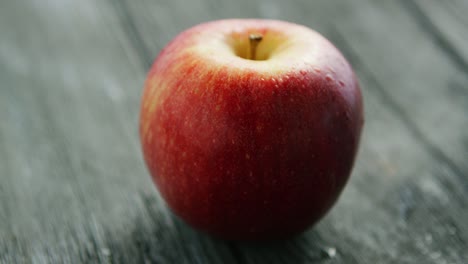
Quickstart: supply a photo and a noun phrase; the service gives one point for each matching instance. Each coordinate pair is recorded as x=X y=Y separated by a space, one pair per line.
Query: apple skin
x=250 y=149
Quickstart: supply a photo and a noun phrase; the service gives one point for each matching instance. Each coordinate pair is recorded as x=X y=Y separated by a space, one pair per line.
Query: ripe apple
x=250 y=128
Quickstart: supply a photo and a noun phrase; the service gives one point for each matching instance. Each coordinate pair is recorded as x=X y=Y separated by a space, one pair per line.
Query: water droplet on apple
x=317 y=70
x=329 y=252
x=273 y=79
x=342 y=84
x=262 y=79
x=328 y=78
x=303 y=72
x=280 y=80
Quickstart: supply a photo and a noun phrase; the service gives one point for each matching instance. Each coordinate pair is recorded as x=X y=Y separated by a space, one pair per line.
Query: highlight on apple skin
x=250 y=128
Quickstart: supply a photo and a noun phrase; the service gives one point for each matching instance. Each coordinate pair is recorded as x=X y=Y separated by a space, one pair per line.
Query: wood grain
x=73 y=186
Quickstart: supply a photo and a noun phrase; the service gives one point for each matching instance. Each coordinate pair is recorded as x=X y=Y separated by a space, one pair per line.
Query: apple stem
x=254 y=40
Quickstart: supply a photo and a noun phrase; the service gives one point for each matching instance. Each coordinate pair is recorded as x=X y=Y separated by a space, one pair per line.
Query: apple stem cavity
x=254 y=40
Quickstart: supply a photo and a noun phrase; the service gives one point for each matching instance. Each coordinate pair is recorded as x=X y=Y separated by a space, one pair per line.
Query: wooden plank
x=445 y=24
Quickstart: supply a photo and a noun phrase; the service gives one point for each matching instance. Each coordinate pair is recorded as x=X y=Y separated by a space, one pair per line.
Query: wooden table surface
x=73 y=185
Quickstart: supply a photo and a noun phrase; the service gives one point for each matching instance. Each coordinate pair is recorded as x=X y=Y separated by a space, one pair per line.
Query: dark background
x=73 y=185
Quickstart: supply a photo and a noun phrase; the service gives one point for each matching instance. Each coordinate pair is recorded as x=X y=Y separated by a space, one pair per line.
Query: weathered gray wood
x=447 y=28
x=445 y=23
x=73 y=187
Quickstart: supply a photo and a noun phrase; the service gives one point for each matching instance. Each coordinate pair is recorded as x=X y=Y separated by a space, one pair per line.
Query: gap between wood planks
x=433 y=32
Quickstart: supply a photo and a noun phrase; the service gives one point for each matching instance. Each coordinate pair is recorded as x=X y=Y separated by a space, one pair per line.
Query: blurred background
x=73 y=185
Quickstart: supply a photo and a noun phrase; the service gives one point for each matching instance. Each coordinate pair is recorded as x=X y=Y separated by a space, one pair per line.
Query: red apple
x=250 y=128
